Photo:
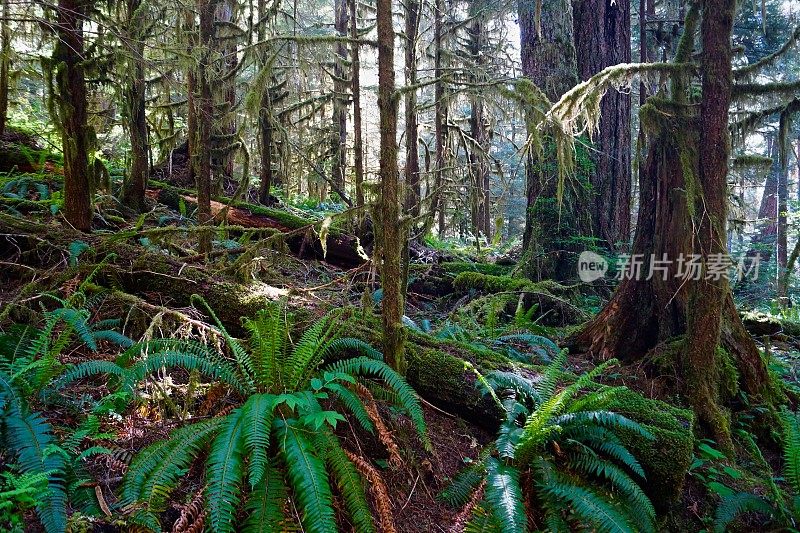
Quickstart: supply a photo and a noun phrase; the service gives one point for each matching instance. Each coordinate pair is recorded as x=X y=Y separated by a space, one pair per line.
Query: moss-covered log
x=342 y=248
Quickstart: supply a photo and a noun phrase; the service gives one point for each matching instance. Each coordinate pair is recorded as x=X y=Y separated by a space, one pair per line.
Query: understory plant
x=46 y=472
x=279 y=441
x=557 y=461
x=779 y=506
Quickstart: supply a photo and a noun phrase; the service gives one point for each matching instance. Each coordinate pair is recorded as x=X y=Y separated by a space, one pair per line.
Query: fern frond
x=523 y=387
x=409 y=401
x=268 y=341
x=639 y=506
x=155 y=471
x=347 y=480
x=791 y=448
x=353 y=404
x=587 y=505
x=547 y=386
x=258 y=415
x=224 y=472
x=309 y=479
x=737 y=504
x=265 y=504
x=460 y=489
x=306 y=354
x=605 y=419
x=351 y=347
x=240 y=355
x=171 y=359
x=504 y=495
x=31 y=439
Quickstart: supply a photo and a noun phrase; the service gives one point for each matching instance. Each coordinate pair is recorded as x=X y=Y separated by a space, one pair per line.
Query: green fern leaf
x=265 y=504
x=309 y=479
x=504 y=495
x=224 y=471
x=258 y=415
x=737 y=504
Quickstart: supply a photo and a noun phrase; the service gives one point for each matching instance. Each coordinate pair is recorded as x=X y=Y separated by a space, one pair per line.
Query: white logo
x=591 y=266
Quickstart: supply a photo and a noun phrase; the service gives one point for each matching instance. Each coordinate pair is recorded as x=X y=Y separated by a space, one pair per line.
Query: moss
x=728 y=374
x=483 y=282
x=457 y=267
x=667 y=458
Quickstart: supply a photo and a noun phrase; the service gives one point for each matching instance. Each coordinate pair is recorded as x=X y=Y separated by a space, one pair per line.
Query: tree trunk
x=413 y=191
x=204 y=113
x=479 y=167
x=549 y=61
x=392 y=239
x=5 y=64
x=440 y=117
x=265 y=128
x=135 y=94
x=684 y=315
x=339 y=126
x=70 y=97
x=783 y=206
x=358 y=143
x=602 y=39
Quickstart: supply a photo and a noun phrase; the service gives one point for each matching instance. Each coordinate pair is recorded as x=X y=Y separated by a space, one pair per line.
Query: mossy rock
x=666 y=459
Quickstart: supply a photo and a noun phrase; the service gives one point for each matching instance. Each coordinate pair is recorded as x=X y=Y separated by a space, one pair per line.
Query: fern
x=504 y=495
x=348 y=481
x=224 y=471
x=265 y=504
x=309 y=479
x=737 y=504
x=363 y=366
x=258 y=415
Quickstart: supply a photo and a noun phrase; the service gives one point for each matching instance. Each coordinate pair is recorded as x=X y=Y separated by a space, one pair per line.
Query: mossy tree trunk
x=135 y=117
x=204 y=113
x=340 y=98
x=683 y=208
x=392 y=238
x=413 y=191
x=479 y=166
x=5 y=64
x=69 y=96
x=547 y=49
x=602 y=39
x=358 y=140
x=265 y=126
x=440 y=118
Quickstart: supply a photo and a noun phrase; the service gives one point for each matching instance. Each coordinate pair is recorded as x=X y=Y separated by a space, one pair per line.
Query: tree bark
x=5 y=64
x=339 y=125
x=783 y=207
x=204 y=113
x=602 y=39
x=392 y=239
x=358 y=143
x=549 y=61
x=70 y=97
x=135 y=94
x=440 y=117
x=479 y=167
x=413 y=191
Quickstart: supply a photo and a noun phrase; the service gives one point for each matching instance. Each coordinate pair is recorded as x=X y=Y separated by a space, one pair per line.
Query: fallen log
x=342 y=249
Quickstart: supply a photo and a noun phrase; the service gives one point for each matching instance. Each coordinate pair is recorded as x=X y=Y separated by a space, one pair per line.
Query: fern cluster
x=279 y=442
x=560 y=451
x=782 y=510
x=28 y=360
